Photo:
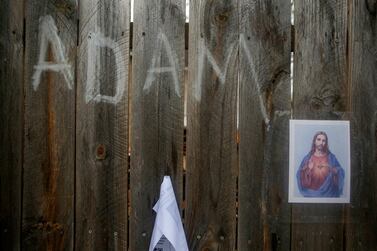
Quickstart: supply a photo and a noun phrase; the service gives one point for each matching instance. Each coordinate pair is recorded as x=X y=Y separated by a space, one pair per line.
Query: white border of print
x=294 y=195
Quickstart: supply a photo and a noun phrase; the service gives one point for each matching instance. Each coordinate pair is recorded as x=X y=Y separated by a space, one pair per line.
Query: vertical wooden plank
x=211 y=128
x=11 y=112
x=361 y=217
x=102 y=122
x=48 y=181
x=157 y=109
x=320 y=92
x=265 y=47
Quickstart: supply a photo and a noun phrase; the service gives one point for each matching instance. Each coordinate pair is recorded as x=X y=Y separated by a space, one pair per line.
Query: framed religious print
x=319 y=161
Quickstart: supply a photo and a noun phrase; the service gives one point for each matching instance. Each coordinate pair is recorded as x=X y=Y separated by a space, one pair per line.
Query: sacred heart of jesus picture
x=319 y=161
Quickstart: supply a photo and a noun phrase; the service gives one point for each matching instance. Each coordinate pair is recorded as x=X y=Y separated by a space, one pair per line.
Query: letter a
x=154 y=70
x=48 y=34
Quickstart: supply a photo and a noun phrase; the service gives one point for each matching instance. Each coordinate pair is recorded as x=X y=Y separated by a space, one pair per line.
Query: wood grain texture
x=320 y=91
x=102 y=122
x=361 y=214
x=49 y=153
x=11 y=112
x=157 y=110
x=211 y=127
x=265 y=46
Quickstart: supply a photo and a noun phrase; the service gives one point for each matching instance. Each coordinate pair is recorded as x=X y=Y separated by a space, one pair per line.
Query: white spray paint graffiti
x=205 y=53
x=95 y=41
x=49 y=35
x=252 y=67
x=153 y=70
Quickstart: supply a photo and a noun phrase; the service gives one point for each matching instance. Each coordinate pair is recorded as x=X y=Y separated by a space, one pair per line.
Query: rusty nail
x=101 y=152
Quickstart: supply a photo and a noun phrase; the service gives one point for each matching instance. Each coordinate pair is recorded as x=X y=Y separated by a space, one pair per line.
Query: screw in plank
x=198 y=237
x=144 y=234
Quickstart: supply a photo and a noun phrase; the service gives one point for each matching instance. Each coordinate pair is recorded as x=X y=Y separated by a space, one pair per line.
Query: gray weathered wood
x=11 y=125
x=211 y=129
x=265 y=46
x=49 y=153
x=157 y=110
x=102 y=122
x=319 y=92
x=361 y=214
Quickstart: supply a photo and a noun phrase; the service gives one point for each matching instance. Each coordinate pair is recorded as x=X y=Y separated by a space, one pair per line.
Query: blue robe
x=328 y=188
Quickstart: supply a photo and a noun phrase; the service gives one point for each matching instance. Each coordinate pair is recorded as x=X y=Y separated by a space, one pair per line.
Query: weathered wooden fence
x=92 y=117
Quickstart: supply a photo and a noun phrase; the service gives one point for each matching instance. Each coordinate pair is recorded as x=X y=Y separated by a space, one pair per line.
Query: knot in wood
x=101 y=152
x=68 y=9
x=222 y=18
x=371 y=6
x=316 y=104
x=221 y=14
x=49 y=226
x=326 y=99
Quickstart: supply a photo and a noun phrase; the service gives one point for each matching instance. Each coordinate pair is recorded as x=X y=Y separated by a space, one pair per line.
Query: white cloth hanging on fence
x=168 y=233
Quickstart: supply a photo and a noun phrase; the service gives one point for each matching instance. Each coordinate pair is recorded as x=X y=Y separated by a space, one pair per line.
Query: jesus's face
x=320 y=142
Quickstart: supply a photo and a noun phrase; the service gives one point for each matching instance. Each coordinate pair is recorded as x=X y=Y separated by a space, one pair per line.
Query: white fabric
x=168 y=224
